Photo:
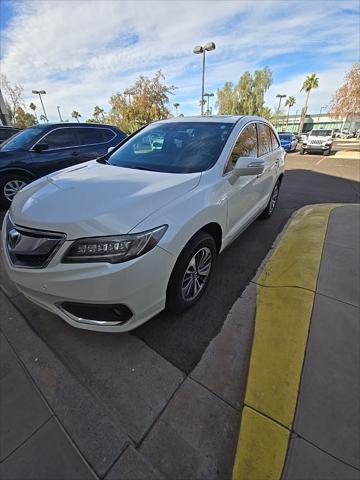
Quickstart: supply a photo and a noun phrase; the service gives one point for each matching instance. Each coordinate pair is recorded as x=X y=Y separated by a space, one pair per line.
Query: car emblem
x=14 y=238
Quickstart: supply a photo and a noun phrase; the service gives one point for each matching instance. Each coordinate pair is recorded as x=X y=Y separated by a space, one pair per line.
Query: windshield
x=286 y=138
x=321 y=133
x=177 y=147
x=21 y=140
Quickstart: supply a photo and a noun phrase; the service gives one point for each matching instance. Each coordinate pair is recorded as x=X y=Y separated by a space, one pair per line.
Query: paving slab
x=196 y=436
x=131 y=379
x=133 y=466
x=224 y=365
x=339 y=275
x=306 y=462
x=328 y=411
x=87 y=421
x=22 y=410
x=47 y=455
x=344 y=226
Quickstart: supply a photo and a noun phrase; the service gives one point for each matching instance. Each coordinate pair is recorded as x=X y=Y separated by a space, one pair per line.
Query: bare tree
x=13 y=95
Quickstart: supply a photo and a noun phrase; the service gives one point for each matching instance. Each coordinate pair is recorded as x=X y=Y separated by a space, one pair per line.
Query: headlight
x=116 y=249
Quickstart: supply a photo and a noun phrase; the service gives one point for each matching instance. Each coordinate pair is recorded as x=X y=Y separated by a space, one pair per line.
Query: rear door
x=93 y=142
x=270 y=153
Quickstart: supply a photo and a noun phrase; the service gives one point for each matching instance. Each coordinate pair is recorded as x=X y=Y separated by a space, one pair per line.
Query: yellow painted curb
x=262 y=443
x=285 y=297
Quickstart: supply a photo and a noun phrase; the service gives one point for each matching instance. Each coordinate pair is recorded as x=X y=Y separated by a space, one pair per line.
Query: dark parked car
x=45 y=148
x=7 y=132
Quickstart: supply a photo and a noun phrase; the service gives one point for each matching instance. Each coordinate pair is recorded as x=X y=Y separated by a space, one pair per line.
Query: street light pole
x=280 y=97
x=321 y=109
x=58 y=109
x=41 y=92
x=197 y=50
x=208 y=95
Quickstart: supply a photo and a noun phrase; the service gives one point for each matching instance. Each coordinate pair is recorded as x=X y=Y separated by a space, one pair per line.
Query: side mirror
x=40 y=147
x=246 y=166
x=110 y=149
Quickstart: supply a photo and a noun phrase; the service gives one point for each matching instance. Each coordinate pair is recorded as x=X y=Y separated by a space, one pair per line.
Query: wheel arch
x=20 y=171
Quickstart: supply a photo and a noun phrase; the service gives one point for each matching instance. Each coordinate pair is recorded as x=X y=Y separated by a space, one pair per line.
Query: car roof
x=205 y=118
x=73 y=124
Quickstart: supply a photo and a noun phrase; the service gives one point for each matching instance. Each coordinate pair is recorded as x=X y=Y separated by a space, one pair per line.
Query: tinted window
x=61 y=138
x=245 y=146
x=265 y=142
x=178 y=147
x=6 y=133
x=274 y=140
x=93 y=135
x=21 y=140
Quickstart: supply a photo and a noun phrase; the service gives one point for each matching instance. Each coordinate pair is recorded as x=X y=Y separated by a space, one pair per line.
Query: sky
x=83 y=51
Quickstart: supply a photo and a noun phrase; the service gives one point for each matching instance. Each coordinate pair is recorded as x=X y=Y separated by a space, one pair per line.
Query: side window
x=91 y=135
x=107 y=134
x=60 y=138
x=245 y=146
x=265 y=142
x=274 y=140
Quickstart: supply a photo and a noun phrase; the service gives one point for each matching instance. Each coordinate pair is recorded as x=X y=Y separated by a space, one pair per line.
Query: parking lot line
x=285 y=296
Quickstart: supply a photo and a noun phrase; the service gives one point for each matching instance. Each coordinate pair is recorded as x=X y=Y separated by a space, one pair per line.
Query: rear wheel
x=191 y=273
x=270 y=207
x=10 y=185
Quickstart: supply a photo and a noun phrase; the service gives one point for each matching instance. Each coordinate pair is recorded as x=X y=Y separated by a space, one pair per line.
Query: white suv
x=318 y=141
x=108 y=244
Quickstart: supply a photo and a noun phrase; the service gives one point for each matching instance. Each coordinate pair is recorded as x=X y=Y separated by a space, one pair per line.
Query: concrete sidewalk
x=301 y=413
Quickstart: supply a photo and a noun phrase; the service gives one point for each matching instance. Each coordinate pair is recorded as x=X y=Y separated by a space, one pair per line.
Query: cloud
x=82 y=52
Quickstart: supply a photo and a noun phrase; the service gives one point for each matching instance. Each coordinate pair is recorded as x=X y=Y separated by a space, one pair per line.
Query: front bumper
x=319 y=148
x=139 y=284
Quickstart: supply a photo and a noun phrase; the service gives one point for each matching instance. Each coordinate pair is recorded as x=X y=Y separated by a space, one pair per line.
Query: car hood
x=93 y=199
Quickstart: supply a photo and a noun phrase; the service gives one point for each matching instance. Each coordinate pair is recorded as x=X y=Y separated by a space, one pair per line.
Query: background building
x=323 y=120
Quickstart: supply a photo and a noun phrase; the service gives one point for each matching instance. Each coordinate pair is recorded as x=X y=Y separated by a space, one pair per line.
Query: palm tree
x=290 y=102
x=176 y=105
x=97 y=112
x=76 y=115
x=311 y=81
x=33 y=108
x=43 y=118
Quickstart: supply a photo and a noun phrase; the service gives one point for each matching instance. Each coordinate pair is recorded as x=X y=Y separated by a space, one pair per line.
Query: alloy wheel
x=196 y=274
x=12 y=187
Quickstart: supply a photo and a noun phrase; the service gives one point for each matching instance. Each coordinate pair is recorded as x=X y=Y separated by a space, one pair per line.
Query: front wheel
x=191 y=273
x=326 y=152
x=10 y=185
x=270 y=207
x=302 y=151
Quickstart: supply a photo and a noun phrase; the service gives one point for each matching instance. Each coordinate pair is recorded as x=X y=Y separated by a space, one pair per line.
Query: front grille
x=31 y=248
x=316 y=142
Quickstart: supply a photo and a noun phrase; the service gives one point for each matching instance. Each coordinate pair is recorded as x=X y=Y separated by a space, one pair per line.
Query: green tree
x=23 y=119
x=146 y=101
x=248 y=96
x=76 y=115
x=43 y=118
x=290 y=102
x=311 y=82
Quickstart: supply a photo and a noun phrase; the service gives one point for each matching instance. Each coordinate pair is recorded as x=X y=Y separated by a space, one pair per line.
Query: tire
x=200 y=244
x=302 y=151
x=9 y=184
x=326 y=153
x=270 y=207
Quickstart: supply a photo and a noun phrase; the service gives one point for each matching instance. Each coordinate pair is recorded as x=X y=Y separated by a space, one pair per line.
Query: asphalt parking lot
x=181 y=339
